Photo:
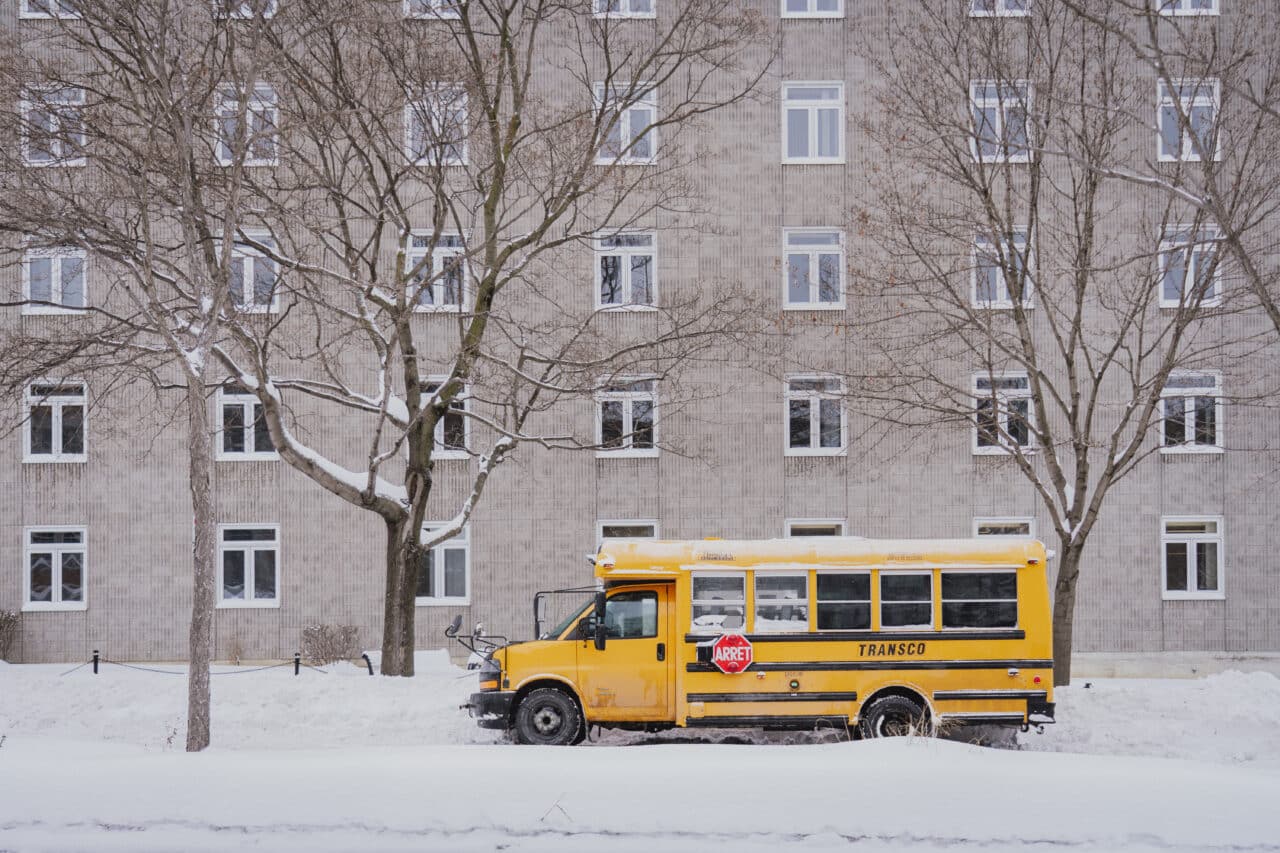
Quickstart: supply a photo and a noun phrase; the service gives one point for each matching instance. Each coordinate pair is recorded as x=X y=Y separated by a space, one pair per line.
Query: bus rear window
x=979 y=599
x=844 y=602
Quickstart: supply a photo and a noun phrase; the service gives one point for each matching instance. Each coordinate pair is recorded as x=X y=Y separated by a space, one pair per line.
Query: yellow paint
x=627 y=683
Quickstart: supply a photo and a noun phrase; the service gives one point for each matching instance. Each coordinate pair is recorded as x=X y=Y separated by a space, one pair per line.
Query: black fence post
x=368 y=662
x=297 y=663
x=95 y=661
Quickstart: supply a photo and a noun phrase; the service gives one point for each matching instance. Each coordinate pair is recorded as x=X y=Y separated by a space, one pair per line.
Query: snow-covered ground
x=342 y=761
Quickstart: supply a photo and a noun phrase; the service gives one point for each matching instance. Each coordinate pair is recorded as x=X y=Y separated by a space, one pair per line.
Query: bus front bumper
x=491 y=709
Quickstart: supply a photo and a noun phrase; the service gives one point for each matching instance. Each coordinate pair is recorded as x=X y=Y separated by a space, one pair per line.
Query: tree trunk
x=1064 y=609
x=399 y=609
x=203 y=550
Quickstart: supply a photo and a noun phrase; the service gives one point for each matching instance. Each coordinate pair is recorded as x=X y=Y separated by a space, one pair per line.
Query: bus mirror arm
x=601 y=598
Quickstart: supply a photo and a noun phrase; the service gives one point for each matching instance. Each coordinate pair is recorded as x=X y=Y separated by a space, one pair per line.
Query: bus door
x=630 y=678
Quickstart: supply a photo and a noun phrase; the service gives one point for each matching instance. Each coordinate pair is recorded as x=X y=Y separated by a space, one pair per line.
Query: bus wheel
x=547 y=717
x=892 y=716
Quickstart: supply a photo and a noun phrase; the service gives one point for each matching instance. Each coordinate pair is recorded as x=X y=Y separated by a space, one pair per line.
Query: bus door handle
x=662 y=651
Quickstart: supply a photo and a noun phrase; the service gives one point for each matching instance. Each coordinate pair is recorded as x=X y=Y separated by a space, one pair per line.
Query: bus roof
x=620 y=558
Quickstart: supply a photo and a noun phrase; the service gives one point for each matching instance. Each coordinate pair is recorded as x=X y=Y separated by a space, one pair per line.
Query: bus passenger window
x=979 y=599
x=719 y=603
x=906 y=600
x=782 y=602
x=844 y=602
x=631 y=615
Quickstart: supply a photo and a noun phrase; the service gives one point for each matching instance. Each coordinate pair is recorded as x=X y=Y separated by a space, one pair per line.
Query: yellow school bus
x=885 y=637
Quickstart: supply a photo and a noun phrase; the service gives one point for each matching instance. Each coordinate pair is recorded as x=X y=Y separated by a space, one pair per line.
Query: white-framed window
x=1188 y=7
x=627 y=418
x=53 y=280
x=1190 y=266
x=1001 y=114
x=242 y=428
x=813 y=8
x=1191 y=413
x=453 y=431
x=815 y=416
x=844 y=601
x=1191 y=557
x=814 y=269
x=781 y=602
x=1002 y=413
x=247 y=125
x=55 y=413
x=35 y=9
x=1004 y=527
x=53 y=126
x=626 y=271
x=623 y=8
x=999 y=8
x=719 y=602
x=628 y=113
x=55 y=561
x=444 y=573
x=979 y=599
x=906 y=600
x=632 y=528
x=797 y=527
x=990 y=286
x=435 y=127
x=432 y=9
x=244 y=9
x=248 y=565
x=1197 y=102
x=440 y=281
x=813 y=122
x=255 y=277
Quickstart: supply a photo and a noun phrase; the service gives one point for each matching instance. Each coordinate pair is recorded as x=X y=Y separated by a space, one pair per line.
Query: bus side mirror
x=601 y=599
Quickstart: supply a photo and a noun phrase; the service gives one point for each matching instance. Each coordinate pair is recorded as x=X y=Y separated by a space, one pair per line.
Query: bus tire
x=893 y=716
x=547 y=717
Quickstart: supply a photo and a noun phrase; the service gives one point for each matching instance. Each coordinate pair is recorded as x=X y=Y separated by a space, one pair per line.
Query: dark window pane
x=40 y=275
x=798 y=278
x=611 y=423
x=828 y=278
x=426 y=575
x=829 y=423
x=898 y=615
x=73 y=282
x=264 y=282
x=233 y=575
x=979 y=614
x=1207 y=566
x=844 y=617
x=627 y=531
x=988 y=428
x=73 y=577
x=455 y=572
x=1175 y=421
x=249 y=534
x=1019 y=422
x=41 y=427
x=610 y=280
x=631 y=615
x=454 y=432
x=42 y=577
x=264 y=574
x=799 y=422
x=261 y=434
x=237 y=280
x=451 y=280
x=1206 y=420
x=844 y=587
x=906 y=587
x=642 y=279
x=979 y=585
x=642 y=424
x=45 y=537
x=233 y=429
x=73 y=429
x=1175 y=566
x=709 y=588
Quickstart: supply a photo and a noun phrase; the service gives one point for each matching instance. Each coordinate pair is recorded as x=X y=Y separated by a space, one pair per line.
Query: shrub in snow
x=9 y=621
x=323 y=644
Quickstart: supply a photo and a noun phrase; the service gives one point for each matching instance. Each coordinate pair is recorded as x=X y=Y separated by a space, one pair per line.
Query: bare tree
x=113 y=157
x=1023 y=291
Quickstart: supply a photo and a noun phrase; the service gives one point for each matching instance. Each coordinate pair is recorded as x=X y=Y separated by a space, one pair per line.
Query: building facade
x=95 y=515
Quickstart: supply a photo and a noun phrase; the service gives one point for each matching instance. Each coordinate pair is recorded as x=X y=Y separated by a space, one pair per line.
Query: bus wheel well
x=553 y=684
x=898 y=690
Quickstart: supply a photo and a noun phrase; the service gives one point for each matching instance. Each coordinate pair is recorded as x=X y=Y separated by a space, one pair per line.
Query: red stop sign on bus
x=732 y=653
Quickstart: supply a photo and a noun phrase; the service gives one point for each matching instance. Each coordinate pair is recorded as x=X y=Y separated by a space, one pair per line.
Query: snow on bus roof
x=632 y=556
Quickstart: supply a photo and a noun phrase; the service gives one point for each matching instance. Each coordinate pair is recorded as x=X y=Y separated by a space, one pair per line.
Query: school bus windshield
x=574 y=613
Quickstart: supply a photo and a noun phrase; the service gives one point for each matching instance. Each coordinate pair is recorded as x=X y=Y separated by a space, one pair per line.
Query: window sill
x=55 y=460
x=1193 y=596
x=247 y=457
x=999 y=14
x=627 y=454
x=625 y=16
x=1191 y=158
x=437 y=309
x=249 y=605
x=813 y=161
x=801 y=452
x=1195 y=450
x=626 y=309
x=813 y=306
x=52 y=607
x=433 y=16
x=47 y=164
x=997 y=160
x=50 y=311
x=813 y=16
x=43 y=16
x=627 y=161
x=1000 y=306
x=450 y=456
x=421 y=163
x=1003 y=451
x=442 y=602
x=1174 y=306
x=1189 y=13
x=255 y=311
